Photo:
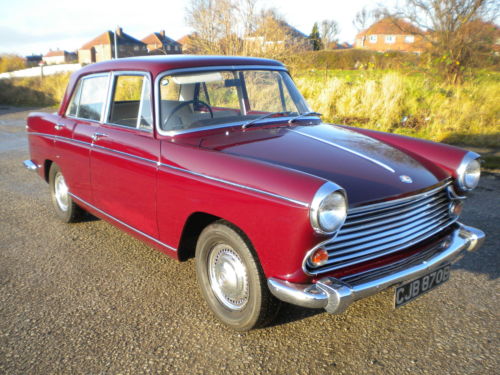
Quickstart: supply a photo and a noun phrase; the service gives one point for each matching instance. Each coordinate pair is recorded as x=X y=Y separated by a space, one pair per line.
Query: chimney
x=119 y=31
x=162 y=33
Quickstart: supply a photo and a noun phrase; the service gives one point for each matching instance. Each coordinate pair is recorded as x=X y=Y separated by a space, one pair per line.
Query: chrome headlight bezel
x=327 y=190
x=469 y=161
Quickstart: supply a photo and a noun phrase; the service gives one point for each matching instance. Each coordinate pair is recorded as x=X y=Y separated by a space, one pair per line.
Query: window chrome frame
x=109 y=99
x=80 y=88
x=172 y=133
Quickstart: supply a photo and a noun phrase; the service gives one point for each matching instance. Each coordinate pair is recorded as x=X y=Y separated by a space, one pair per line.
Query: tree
x=214 y=24
x=315 y=38
x=329 y=30
x=9 y=63
x=450 y=29
x=362 y=19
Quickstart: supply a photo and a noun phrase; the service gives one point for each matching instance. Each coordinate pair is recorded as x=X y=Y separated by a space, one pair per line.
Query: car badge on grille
x=406 y=179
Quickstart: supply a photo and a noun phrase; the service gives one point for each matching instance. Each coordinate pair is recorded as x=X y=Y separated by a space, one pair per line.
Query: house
x=186 y=42
x=337 y=45
x=276 y=34
x=59 y=57
x=103 y=47
x=33 y=60
x=160 y=44
x=390 y=34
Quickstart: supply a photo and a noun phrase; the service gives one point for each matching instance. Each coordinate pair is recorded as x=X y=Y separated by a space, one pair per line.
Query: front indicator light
x=319 y=257
x=455 y=208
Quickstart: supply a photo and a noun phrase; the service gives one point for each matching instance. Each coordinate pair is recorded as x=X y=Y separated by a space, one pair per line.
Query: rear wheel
x=66 y=210
x=231 y=279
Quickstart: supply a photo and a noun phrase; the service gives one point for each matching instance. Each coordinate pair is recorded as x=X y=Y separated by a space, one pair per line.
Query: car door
x=123 y=159
x=74 y=130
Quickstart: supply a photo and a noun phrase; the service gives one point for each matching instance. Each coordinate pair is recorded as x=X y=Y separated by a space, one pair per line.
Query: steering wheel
x=196 y=101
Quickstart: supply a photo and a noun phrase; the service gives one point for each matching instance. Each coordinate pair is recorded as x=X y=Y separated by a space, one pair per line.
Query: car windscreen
x=206 y=99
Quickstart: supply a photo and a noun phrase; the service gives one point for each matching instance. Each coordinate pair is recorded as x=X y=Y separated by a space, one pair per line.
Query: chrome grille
x=377 y=230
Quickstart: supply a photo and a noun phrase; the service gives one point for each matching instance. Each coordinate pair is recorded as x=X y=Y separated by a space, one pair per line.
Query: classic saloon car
x=221 y=159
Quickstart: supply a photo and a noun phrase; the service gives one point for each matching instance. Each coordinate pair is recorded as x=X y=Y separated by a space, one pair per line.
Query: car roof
x=157 y=64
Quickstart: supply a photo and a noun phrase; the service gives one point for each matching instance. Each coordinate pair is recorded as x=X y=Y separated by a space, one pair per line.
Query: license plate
x=413 y=289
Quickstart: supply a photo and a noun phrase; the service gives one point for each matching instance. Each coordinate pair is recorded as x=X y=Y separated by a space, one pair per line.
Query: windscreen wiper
x=255 y=120
x=292 y=120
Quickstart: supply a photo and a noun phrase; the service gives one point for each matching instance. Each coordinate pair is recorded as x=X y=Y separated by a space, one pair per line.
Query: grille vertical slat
x=377 y=230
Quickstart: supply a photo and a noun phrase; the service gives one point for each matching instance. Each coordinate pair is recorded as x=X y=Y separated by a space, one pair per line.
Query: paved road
x=87 y=298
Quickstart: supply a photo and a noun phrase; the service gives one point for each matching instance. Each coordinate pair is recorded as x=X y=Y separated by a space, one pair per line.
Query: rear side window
x=131 y=102
x=89 y=98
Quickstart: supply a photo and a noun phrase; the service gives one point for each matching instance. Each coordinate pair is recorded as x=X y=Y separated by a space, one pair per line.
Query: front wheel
x=231 y=279
x=66 y=209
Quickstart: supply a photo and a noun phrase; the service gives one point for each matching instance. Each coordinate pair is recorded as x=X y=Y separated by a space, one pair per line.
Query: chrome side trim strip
x=235 y=184
x=379 y=163
x=124 y=154
x=122 y=223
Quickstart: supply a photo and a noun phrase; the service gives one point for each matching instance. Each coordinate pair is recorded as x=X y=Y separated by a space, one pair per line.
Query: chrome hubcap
x=61 y=192
x=228 y=277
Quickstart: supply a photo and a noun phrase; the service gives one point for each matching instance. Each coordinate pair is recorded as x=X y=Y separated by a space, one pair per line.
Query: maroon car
x=221 y=158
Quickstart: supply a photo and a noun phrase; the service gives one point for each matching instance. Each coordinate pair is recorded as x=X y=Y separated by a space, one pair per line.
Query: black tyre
x=231 y=278
x=65 y=208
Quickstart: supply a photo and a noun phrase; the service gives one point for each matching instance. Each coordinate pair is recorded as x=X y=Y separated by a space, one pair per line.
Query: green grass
x=33 y=91
x=408 y=103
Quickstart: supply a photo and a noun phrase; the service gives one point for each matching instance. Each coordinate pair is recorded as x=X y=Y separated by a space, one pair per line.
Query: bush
x=350 y=59
x=409 y=104
x=37 y=91
x=9 y=63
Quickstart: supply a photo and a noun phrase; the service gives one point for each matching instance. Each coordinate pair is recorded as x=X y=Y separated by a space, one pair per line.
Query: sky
x=34 y=26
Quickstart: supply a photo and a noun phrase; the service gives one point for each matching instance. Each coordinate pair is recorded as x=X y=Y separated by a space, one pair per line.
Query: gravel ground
x=87 y=298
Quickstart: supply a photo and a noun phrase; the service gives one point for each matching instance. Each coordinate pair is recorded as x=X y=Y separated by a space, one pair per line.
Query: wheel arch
x=193 y=226
x=46 y=169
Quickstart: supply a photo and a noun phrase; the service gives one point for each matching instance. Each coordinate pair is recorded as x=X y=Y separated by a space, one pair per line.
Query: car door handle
x=59 y=126
x=97 y=136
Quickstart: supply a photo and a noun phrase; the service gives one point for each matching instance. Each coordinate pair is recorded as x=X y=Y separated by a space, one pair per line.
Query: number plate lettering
x=415 y=288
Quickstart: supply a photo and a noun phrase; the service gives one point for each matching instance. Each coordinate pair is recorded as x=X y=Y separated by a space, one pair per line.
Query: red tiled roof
x=390 y=26
x=54 y=53
x=108 y=38
x=186 y=39
x=158 y=38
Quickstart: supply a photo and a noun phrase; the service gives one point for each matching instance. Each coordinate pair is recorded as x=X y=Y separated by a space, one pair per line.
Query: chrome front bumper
x=335 y=295
x=29 y=165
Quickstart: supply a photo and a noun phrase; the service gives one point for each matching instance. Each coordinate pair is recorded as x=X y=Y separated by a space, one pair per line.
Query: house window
x=136 y=48
x=409 y=39
x=390 y=39
x=373 y=39
x=169 y=47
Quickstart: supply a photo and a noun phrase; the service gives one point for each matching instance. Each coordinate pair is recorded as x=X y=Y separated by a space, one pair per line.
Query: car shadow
x=291 y=313
x=485 y=261
x=88 y=218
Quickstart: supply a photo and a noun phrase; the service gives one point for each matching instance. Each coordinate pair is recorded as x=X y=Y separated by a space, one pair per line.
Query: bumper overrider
x=335 y=295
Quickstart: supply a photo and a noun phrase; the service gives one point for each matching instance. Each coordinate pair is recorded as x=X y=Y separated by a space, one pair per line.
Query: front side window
x=131 y=102
x=206 y=99
x=373 y=39
x=89 y=98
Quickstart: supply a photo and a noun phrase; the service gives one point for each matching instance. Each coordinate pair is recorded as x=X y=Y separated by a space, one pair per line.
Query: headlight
x=468 y=172
x=328 y=209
